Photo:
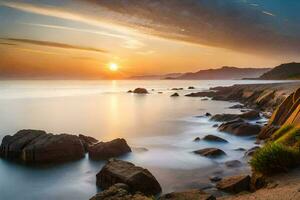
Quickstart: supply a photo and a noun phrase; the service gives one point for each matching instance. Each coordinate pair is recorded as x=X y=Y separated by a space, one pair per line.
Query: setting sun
x=113 y=67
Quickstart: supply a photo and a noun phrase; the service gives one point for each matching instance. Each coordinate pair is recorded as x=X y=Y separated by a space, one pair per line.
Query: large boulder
x=240 y=128
x=106 y=150
x=235 y=184
x=137 y=178
x=87 y=141
x=34 y=146
x=213 y=138
x=251 y=115
x=188 y=195
x=210 y=152
x=140 y=91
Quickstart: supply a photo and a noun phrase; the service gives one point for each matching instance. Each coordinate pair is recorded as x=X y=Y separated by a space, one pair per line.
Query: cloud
x=55 y=44
x=268 y=13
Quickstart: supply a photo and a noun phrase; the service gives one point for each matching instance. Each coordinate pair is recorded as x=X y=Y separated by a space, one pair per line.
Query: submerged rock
x=233 y=163
x=197 y=139
x=210 y=152
x=175 y=95
x=35 y=146
x=251 y=115
x=240 y=128
x=213 y=138
x=215 y=178
x=235 y=184
x=106 y=150
x=188 y=195
x=140 y=91
x=137 y=178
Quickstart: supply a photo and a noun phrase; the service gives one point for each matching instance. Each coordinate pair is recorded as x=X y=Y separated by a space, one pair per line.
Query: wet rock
x=175 y=95
x=216 y=125
x=106 y=150
x=240 y=128
x=210 y=152
x=251 y=115
x=87 y=141
x=201 y=94
x=191 y=88
x=233 y=163
x=137 y=178
x=129 y=91
x=160 y=92
x=35 y=146
x=197 y=139
x=235 y=184
x=119 y=192
x=237 y=106
x=258 y=181
x=207 y=114
x=215 y=178
x=213 y=138
x=251 y=151
x=177 y=89
x=240 y=149
x=205 y=99
x=188 y=195
x=140 y=91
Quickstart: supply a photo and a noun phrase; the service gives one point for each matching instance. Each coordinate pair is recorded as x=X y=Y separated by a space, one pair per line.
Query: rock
x=177 y=88
x=188 y=195
x=240 y=149
x=129 y=91
x=87 y=141
x=205 y=99
x=233 y=163
x=119 y=192
x=237 y=106
x=106 y=150
x=216 y=125
x=210 y=152
x=258 y=181
x=251 y=115
x=197 y=139
x=160 y=92
x=201 y=94
x=240 y=128
x=207 y=114
x=251 y=151
x=215 y=178
x=191 y=88
x=175 y=95
x=138 y=179
x=213 y=138
x=35 y=146
x=140 y=91
x=235 y=184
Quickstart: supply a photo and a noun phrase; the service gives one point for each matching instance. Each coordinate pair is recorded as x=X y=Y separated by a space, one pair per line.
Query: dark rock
x=188 y=195
x=240 y=128
x=177 y=88
x=235 y=184
x=160 y=92
x=205 y=99
x=129 y=91
x=87 y=141
x=216 y=125
x=233 y=163
x=215 y=178
x=240 y=149
x=175 y=95
x=237 y=106
x=191 y=88
x=106 y=150
x=140 y=91
x=251 y=115
x=197 y=139
x=210 y=152
x=201 y=94
x=34 y=146
x=207 y=114
x=213 y=138
x=251 y=151
x=138 y=179
x=258 y=181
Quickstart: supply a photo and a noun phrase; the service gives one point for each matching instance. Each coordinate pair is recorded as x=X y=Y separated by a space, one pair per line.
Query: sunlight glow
x=113 y=67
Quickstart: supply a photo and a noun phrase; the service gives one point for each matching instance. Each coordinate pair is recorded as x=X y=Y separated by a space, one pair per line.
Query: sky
x=81 y=38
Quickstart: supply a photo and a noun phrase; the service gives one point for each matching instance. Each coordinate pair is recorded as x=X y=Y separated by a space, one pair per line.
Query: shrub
x=274 y=157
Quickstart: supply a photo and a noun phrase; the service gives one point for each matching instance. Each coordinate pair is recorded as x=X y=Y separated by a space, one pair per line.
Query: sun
x=113 y=67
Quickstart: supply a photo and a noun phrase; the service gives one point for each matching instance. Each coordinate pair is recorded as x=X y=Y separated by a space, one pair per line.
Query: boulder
x=213 y=138
x=240 y=128
x=197 y=139
x=118 y=192
x=251 y=151
x=235 y=184
x=250 y=115
x=35 y=146
x=175 y=95
x=106 y=150
x=140 y=91
x=87 y=141
x=233 y=163
x=137 y=178
x=210 y=152
x=207 y=114
x=188 y=195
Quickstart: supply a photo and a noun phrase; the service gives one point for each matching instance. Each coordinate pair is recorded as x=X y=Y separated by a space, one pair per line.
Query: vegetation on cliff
x=282 y=72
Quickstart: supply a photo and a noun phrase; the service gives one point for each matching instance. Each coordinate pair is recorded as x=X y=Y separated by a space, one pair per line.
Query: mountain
x=282 y=72
x=156 y=77
x=225 y=73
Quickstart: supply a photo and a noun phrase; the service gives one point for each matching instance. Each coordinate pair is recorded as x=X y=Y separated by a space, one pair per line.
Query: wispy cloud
x=54 y=44
x=268 y=13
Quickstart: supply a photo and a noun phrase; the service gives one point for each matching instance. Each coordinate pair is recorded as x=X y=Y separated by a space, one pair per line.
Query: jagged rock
x=233 y=163
x=197 y=139
x=188 y=195
x=240 y=128
x=213 y=138
x=210 y=152
x=35 y=146
x=106 y=150
x=138 y=179
x=87 y=141
x=175 y=95
x=251 y=115
x=140 y=91
x=251 y=151
x=235 y=184
x=119 y=192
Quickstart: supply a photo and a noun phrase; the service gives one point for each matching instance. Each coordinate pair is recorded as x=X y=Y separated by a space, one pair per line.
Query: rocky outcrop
x=210 y=152
x=235 y=184
x=87 y=141
x=106 y=150
x=140 y=91
x=119 y=192
x=34 y=146
x=240 y=128
x=213 y=138
x=188 y=195
x=137 y=178
x=251 y=115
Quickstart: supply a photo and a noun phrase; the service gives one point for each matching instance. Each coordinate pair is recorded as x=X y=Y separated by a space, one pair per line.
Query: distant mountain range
x=283 y=72
x=155 y=77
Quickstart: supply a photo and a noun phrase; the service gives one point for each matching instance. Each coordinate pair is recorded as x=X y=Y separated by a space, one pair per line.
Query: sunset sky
x=81 y=38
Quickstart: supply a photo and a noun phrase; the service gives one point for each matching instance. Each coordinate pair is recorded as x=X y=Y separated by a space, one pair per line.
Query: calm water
x=102 y=109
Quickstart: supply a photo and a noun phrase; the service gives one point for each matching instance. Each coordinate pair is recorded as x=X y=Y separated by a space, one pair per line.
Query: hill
x=282 y=72
x=225 y=73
